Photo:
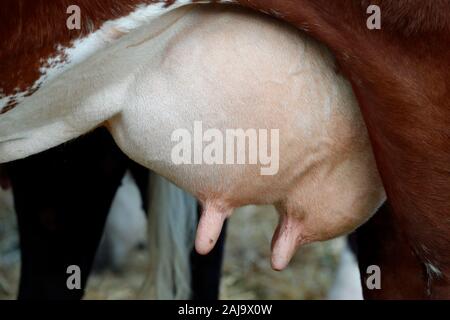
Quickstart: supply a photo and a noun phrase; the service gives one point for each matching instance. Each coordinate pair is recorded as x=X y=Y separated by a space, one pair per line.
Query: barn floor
x=246 y=274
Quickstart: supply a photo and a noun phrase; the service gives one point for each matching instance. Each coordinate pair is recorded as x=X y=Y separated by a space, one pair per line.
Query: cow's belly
x=232 y=70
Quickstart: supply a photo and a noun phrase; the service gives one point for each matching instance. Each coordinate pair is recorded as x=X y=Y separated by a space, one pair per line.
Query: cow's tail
x=171 y=231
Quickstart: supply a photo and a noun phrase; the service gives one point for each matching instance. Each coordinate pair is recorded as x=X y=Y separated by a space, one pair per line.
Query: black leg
x=62 y=199
x=141 y=176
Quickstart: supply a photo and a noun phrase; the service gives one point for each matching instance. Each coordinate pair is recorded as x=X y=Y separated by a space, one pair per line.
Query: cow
x=398 y=73
x=322 y=138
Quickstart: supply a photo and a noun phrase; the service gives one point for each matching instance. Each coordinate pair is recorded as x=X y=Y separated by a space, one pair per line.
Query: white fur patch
x=83 y=48
x=433 y=271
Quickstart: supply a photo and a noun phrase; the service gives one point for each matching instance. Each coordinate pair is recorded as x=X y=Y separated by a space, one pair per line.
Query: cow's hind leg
x=62 y=198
